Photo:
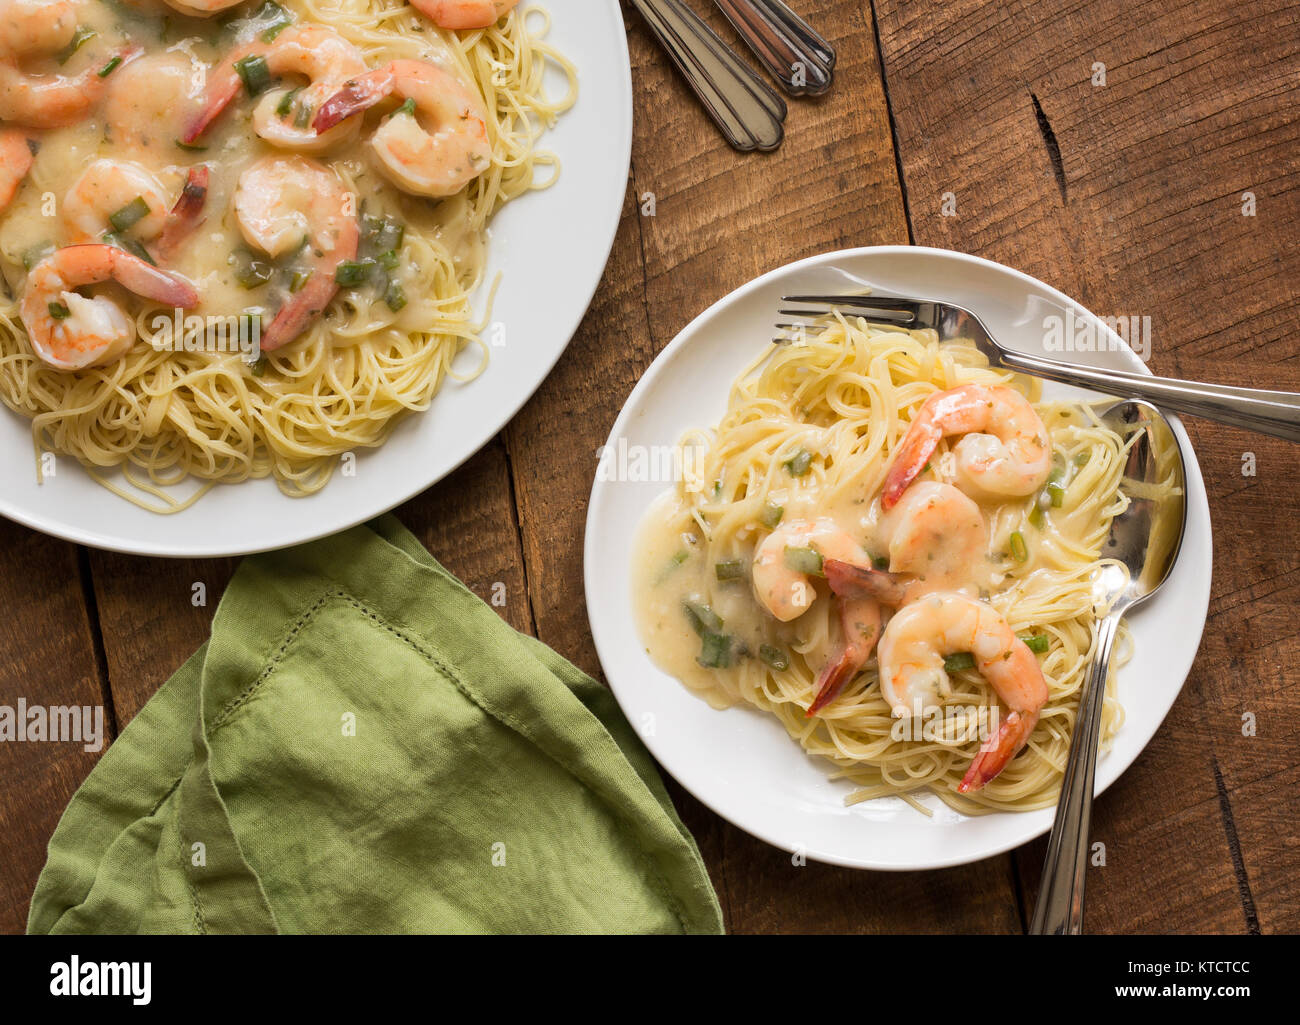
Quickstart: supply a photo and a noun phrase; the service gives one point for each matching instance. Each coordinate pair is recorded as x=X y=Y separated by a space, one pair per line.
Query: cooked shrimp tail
x=186 y=216
x=849 y=580
x=357 y=95
x=1012 y=734
x=860 y=629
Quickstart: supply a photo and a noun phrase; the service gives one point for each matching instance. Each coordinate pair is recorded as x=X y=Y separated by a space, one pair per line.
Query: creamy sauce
x=675 y=564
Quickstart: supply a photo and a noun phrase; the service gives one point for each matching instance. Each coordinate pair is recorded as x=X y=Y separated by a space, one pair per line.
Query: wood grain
x=47 y=658
x=1130 y=196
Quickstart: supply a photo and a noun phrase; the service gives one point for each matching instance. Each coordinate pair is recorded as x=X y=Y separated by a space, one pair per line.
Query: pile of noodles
x=847 y=394
x=164 y=417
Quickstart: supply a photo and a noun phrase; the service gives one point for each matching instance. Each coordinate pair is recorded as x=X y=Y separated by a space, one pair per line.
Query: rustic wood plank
x=47 y=651
x=1130 y=197
x=719 y=219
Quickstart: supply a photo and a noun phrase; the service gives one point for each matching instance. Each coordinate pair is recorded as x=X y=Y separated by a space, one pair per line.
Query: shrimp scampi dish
x=242 y=238
x=890 y=546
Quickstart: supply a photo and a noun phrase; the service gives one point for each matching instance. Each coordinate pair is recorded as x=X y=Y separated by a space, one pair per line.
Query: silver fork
x=1268 y=412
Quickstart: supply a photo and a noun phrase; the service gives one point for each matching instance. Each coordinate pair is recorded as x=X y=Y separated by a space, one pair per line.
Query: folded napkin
x=364 y=746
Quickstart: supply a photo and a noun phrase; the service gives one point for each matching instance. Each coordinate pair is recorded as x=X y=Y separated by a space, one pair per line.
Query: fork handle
x=1267 y=412
x=1059 y=911
x=749 y=114
x=798 y=58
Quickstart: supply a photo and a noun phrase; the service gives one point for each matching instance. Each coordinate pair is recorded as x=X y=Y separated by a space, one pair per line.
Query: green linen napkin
x=363 y=746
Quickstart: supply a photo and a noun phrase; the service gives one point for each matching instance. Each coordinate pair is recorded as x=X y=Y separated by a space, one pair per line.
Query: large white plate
x=740 y=762
x=550 y=246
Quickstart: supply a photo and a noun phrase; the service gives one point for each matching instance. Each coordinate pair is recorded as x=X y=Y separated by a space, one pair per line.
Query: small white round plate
x=740 y=762
x=550 y=247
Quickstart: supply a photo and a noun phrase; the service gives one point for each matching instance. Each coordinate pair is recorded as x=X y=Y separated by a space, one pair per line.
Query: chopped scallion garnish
x=255 y=73
x=804 y=560
x=130 y=215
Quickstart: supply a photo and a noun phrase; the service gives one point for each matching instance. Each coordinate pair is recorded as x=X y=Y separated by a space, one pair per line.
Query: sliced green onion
x=285 y=106
x=732 y=569
x=354 y=273
x=406 y=108
x=774 y=657
x=1037 y=518
x=395 y=296
x=255 y=74
x=715 y=652
x=192 y=147
x=1081 y=460
x=277 y=19
x=259 y=368
x=303 y=119
x=251 y=271
x=1056 y=494
x=130 y=215
x=1019 y=550
x=1037 y=643
x=110 y=67
x=771 y=515
x=673 y=563
x=798 y=464
x=804 y=560
x=958 y=662
x=702 y=618
x=880 y=561
x=79 y=39
x=390 y=260
x=58 y=311
x=384 y=234
x=299 y=280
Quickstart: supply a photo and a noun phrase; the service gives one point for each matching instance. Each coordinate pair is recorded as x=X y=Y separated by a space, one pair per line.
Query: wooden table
x=1142 y=158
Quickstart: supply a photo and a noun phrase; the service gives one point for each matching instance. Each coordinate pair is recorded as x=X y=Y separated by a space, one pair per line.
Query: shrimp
x=113 y=188
x=319 y=54
x=937 y=534
x=1005 y=450
x=202 y=8
x=151 y=101
x=279 y=203
x=912 y=651
x=16 y=159
x=70 y=331
x=36 y=26
x=464 y=14
x=782 y=586
x=440 y=163
x=32 y=27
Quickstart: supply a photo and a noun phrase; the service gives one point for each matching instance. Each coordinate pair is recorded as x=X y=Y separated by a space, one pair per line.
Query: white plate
x=740 y=762
x=550 y=246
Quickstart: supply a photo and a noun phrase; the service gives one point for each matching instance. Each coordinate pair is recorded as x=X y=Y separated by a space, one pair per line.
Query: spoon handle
x=1059 y=911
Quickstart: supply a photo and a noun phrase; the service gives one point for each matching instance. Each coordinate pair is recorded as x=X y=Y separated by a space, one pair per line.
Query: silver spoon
x=1145 y=538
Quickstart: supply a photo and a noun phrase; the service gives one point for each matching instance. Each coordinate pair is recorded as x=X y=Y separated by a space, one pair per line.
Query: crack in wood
x=1234 y=849
x=1053 y=147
